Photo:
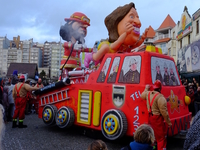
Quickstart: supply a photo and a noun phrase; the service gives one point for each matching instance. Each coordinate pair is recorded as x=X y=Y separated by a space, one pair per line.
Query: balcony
x=161 y=36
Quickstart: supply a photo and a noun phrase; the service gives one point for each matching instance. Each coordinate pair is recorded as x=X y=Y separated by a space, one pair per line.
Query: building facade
x=57 y=53
x=163 y=34
x=188 y=44
x=36 y=56
x=47 y=54
x=4 y=45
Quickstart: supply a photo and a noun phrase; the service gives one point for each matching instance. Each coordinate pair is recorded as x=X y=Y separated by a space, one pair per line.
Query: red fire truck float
x=108 y=98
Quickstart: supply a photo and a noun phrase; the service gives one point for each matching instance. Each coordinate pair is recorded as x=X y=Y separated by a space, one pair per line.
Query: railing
x=161 y=36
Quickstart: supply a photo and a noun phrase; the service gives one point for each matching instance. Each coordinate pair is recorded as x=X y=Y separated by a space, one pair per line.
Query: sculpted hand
x=78 y=46
x=129 y=28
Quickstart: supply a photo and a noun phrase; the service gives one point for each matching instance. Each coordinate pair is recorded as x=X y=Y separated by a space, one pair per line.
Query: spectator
x=15 y=78
x=192 y=140
x=11 y=103
x=2 y=125
x=5 y=102
x=197 y=100
x=190 y=93
x=143 y=139
x=97 y=145
x=39 y=83
x=1 y=90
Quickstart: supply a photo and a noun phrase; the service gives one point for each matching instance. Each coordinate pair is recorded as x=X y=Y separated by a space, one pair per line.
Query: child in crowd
x=143 y=139
x=97 y=145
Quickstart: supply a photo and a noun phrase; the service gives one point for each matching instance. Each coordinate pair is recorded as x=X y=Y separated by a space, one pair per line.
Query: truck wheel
x=113 y=124
x=48 y=114
x=65 y=117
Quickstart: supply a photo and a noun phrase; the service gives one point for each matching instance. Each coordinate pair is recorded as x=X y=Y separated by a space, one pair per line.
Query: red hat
x=157 y=84
x=80 y=17
x=22 y=77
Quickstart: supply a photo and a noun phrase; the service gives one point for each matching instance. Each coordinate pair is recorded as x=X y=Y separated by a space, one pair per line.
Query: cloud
x=41 y=20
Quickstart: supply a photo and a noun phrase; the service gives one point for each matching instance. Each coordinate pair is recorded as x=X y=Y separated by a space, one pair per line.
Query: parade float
x=107 y=97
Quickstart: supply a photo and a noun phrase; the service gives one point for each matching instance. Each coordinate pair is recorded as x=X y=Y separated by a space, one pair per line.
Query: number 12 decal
x=136 y=118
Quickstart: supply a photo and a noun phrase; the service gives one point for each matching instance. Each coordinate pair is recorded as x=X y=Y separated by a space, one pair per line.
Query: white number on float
x=136 y=118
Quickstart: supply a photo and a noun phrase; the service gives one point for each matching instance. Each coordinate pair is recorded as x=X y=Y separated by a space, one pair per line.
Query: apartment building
x=27 y=44
x=57 y=52
x=4 y=44
x=36 y=56
x=47 y=54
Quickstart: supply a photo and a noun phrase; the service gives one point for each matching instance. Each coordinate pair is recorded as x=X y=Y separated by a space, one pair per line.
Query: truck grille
x=84 y=107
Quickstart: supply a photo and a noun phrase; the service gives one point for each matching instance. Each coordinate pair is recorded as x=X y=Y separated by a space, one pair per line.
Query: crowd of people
x=17 y=99
x=193 y=91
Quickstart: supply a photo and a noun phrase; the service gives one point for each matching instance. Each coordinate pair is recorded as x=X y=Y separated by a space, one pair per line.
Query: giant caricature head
x=76 y=27
x=116 y=23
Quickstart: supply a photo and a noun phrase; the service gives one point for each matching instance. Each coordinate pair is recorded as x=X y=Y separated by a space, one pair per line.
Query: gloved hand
x=78 y=46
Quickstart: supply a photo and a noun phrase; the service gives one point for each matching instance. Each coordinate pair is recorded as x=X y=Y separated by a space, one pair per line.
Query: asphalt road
x=38 y=136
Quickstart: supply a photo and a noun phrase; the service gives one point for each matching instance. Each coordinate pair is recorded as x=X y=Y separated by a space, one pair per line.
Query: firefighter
x=20 y=91
x=39 y=84
x=157 y=107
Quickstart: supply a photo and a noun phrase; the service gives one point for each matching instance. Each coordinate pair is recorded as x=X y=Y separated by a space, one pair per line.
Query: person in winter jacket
x=15 y=78
x=5 y=103
x=143 y=139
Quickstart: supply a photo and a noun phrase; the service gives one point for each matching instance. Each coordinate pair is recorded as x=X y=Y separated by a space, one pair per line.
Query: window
x=197 y=27
x=104 y=70
x=189 y=39
x=165 y=71
x=169 y=52
x=181 y=43
x=130 y=72
x=114 y=69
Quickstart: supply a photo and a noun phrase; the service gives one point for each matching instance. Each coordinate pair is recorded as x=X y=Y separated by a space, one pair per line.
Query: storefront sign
x=182 y=33
x=196 y=15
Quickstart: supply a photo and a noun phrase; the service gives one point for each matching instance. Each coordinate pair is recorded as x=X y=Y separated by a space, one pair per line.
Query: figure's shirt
x=122 y=48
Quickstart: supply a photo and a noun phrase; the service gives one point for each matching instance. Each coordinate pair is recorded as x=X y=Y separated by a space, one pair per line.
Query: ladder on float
x=54 y=97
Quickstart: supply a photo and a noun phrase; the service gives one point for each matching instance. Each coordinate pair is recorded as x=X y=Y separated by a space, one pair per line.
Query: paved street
x=38 y=136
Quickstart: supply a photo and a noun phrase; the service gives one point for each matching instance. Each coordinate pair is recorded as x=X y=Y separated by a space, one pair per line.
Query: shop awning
x=190 y=74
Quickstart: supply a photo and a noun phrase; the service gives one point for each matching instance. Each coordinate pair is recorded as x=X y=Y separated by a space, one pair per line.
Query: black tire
x=67 y=119
x=48 y=114
x=119 y=129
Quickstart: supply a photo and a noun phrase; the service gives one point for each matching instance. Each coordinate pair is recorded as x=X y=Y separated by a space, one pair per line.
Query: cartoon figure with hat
x=158 y=74
x=166 y=75
x=123 y=26
x=173 y=81
x=132 y=76
x=74 y=31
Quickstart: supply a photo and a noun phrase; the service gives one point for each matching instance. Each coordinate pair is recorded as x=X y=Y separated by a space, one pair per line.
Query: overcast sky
x=41 y=19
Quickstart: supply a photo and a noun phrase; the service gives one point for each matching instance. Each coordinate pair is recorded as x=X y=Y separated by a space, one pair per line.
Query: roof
x=151 y=33
x=30 y=68
x=167 y=23
x=162 y=40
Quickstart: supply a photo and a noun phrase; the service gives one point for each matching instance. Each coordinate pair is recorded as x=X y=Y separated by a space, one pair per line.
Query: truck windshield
x=165 y=71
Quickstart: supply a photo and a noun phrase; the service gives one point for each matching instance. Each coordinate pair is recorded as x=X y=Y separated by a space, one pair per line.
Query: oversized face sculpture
x=131 y=18
x=80 y=28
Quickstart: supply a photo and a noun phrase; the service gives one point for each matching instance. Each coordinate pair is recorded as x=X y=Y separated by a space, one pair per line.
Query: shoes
x=14 y=125
x=21 y=125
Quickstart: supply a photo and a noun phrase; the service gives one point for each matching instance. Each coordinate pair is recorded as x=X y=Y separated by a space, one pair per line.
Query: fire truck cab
x=108 y=99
